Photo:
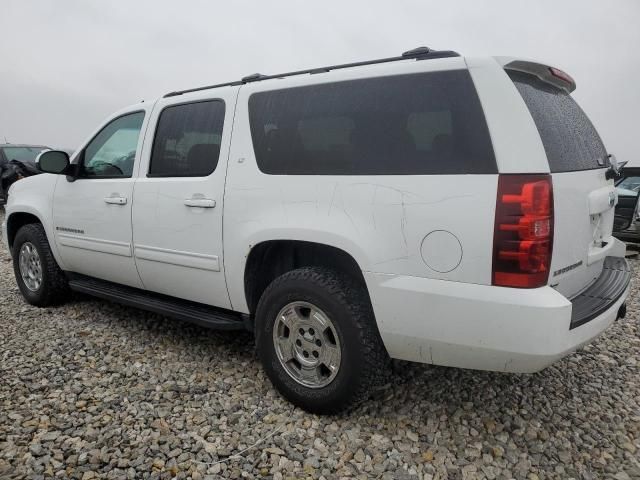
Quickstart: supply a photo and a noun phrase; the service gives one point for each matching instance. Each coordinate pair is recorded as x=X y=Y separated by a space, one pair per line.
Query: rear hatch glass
x=583 y=197
x=569 y=138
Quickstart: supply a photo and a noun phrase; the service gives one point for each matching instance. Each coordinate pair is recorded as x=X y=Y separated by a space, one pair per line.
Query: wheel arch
x=17 y=220
x=271 y=258
x=24 y=215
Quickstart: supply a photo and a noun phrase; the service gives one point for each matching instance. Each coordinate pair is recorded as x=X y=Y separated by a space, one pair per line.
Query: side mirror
x=53 y=161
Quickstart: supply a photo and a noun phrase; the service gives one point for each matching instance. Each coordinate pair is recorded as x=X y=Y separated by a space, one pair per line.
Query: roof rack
x=420 y=53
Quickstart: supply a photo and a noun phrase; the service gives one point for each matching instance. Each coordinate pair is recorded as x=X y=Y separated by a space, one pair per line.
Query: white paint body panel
x=379 y=220
x=516 y=142
x=581 y=222
x=433 y=307
x=93 y=236
x=34 y=195
x=582 y=211
x=478 y=326
x=178 y=248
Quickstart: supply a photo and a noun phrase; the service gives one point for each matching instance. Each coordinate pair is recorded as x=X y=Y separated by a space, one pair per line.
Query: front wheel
x=318 y=341
x=39 y=277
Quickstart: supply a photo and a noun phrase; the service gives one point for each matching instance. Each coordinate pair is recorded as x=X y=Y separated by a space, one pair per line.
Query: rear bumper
x=479 y=326
x=601 y=294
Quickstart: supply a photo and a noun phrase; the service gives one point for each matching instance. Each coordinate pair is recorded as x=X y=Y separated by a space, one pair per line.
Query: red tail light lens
x=523 y=232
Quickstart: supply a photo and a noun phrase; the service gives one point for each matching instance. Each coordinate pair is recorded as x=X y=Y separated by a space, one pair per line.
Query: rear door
x=178 y=198
x=584 y=199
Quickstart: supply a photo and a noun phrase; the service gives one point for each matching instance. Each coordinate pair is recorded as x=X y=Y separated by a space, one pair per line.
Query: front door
x=177 y=208
x=92 y=215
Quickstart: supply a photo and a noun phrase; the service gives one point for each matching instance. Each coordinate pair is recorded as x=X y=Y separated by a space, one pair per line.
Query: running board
x=198 y=313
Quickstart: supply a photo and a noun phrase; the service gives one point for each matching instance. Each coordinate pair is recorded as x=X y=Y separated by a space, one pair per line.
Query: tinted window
x=22 y=154
x=569 y=138
x=112 y=152
x=412 y=124
x=187 y=141
x=629 y=183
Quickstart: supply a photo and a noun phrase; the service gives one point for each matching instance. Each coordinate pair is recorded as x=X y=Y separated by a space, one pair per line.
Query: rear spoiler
x=551 y=75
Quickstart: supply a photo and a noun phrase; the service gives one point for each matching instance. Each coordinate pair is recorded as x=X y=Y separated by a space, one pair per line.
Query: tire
x=364 y=363
x=53 y=288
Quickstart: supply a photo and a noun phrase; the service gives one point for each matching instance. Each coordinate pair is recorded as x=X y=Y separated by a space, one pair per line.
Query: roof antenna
x=5 y=139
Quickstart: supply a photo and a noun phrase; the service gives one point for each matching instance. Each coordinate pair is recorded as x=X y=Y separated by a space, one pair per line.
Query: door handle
x=200 y=202
x=115 y=200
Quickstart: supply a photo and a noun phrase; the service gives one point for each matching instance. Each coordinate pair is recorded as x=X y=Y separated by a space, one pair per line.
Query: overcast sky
x=67 y=64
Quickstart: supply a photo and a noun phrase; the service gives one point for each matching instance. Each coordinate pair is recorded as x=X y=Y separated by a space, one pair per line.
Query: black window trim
x=155 y=134
x=494 y=160
x=80 y=157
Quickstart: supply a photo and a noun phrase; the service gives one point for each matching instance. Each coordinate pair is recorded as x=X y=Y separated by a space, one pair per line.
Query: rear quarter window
x=570 y=140
x=415 y=124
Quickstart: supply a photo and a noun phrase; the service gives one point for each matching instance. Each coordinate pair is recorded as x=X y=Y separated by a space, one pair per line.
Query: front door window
x=112 y=152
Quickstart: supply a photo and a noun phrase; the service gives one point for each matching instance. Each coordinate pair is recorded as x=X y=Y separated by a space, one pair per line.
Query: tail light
x=523 y=232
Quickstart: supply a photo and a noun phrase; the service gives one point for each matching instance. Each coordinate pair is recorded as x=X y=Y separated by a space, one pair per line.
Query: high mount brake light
x=523 y=231
x=556 y=72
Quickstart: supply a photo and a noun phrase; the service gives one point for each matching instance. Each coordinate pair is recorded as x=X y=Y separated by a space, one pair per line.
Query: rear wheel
x=318 y=341
x=39 y=277
x=307 y=344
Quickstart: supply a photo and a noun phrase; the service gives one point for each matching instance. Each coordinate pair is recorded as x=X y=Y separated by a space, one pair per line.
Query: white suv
x=427 y=207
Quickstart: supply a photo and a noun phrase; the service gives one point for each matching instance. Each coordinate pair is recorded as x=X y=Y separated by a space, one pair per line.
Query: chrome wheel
x=30 y=266
x=307 y=344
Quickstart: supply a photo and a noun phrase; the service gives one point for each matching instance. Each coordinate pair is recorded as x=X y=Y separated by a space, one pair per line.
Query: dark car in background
x=626 y=224
x=16 y=162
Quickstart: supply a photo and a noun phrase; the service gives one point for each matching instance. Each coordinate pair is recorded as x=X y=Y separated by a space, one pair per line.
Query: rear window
x=569 y=138
x=401 y=125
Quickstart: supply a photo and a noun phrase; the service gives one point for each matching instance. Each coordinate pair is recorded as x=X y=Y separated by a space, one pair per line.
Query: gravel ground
x=96 y=390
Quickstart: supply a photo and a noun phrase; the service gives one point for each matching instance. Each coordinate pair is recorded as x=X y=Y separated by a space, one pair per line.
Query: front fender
x=34 y=196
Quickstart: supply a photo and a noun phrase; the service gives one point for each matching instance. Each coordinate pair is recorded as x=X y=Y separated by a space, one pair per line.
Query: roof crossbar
x=420 y=53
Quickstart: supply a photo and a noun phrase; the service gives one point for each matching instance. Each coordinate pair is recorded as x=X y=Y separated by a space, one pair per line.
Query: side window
x=419 y=124
x=430 y=130
x=187 y=141
x=112 y=152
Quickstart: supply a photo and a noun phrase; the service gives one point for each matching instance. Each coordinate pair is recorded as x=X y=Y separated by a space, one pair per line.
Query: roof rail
x=420 y=53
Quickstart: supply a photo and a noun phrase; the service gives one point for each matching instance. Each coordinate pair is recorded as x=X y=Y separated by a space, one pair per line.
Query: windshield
x=630 y=183
x=22 y=154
